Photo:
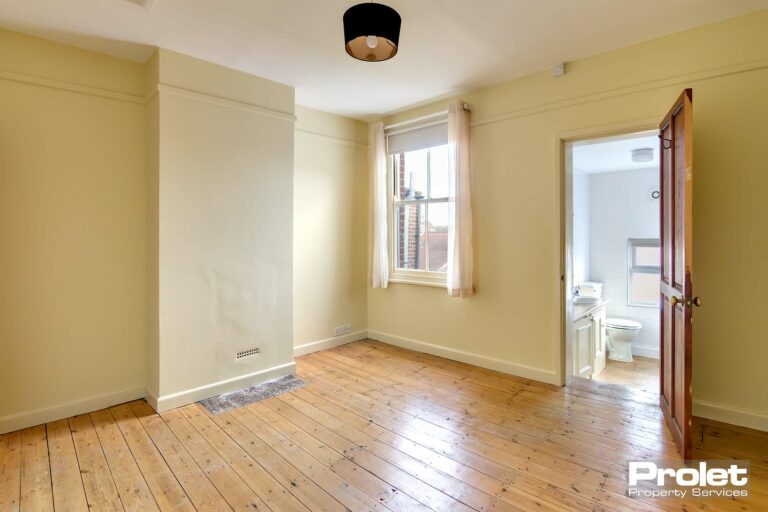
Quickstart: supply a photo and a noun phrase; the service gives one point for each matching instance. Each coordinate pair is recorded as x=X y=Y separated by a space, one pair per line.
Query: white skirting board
x=189 y=396
x=336 y=341
x=9 y=423
x=39 y=416
x=717 y=412
x=728 y=414
x=645 y=352
x=519 y=370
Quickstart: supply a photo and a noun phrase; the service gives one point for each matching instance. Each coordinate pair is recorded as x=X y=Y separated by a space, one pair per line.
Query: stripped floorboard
x=376 y=428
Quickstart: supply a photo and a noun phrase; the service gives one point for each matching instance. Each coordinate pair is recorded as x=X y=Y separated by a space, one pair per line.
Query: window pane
x=411 y=174
x=439 y=172
x=644 y=288
x=647 y=256
x=438 y=236
x=410 y=222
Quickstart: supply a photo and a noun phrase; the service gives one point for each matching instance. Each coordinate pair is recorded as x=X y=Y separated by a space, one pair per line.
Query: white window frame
x=409 y=276
x=632 y=268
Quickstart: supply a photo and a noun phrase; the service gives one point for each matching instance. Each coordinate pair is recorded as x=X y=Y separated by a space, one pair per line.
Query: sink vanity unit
x=589 y=338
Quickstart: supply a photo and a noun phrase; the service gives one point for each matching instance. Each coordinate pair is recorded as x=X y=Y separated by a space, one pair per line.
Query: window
x=644 y=272
x=419 y=206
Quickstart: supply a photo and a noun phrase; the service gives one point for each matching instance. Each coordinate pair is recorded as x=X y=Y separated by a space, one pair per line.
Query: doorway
x=613 y=260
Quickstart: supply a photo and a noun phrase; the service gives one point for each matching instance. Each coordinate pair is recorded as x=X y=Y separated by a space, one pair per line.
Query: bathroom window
x=644 y=272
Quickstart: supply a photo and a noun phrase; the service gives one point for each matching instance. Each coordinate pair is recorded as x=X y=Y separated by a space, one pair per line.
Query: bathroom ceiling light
x=642 y=155
x=371 y=32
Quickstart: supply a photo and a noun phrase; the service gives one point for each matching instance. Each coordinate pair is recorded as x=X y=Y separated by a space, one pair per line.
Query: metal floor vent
x=243 y=354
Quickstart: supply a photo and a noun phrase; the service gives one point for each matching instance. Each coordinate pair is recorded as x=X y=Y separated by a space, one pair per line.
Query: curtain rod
x=422 y=119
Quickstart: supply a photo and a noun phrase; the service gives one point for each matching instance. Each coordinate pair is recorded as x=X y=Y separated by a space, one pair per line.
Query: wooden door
x=677 y=300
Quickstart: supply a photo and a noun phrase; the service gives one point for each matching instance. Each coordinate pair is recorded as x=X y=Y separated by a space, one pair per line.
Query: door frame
x=565 y=185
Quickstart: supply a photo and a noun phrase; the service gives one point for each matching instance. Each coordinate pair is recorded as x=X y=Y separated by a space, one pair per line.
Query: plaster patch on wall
x=243 y=310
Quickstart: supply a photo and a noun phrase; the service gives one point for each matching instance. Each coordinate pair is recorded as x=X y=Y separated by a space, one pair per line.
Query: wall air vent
x=244 y=354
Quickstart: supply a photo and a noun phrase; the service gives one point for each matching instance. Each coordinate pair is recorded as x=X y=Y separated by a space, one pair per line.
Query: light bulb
x=372 y=41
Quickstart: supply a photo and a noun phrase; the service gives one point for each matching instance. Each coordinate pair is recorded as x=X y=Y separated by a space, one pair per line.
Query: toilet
x=620 y=335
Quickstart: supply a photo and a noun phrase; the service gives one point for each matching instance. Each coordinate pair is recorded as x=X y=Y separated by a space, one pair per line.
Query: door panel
x=666 y=209
x=679 y=363
x=678 y=205
x=666 y=355
x=676 y=179
x=582 y=338
x=598 y=334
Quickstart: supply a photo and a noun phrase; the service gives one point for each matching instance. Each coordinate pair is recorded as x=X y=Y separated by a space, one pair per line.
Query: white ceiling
x=614 y=154
x=446 y=46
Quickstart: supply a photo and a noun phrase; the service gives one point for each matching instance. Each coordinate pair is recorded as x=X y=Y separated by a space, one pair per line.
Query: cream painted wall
x=225 y=217
x=330 y=226
x=152 y=327
x=147 y=226
x=72 y=230
x=114 y=206
x=514 y=321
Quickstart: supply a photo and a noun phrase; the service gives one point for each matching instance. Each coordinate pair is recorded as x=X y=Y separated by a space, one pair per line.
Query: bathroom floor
x=642 y=373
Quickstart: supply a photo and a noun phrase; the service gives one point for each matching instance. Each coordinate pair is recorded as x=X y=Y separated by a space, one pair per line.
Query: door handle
x=696 y=301
x=674 y=301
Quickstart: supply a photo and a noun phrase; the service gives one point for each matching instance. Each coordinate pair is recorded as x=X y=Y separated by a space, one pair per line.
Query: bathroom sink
x=586 y=300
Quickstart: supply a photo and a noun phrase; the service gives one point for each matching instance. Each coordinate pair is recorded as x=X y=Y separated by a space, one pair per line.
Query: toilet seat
x=620 y=323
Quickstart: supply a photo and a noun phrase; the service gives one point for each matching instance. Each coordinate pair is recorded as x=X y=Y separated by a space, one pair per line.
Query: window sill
x=646 y=306
x=419 y=280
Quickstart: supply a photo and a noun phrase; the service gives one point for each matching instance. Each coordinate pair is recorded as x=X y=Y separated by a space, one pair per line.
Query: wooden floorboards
x=375 y=428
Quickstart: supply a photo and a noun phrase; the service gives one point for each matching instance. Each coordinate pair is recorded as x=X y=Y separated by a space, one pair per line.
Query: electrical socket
x=341 y=330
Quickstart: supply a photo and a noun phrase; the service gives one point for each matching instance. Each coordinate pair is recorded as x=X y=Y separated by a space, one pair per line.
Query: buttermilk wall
x=514 y=322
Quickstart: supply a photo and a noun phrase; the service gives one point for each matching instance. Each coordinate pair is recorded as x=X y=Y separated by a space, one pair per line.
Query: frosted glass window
x=644 y=289
x=647 y=256
x=644 y=272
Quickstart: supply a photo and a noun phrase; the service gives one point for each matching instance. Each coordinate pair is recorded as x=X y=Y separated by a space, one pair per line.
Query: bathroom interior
x=615 y=260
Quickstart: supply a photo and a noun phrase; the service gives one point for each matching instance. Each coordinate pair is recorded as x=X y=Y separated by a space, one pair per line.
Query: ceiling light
x=371 y=32
x=642 y=155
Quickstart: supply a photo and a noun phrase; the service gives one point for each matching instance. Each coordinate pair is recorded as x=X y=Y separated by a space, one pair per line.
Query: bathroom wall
x=621 y=207
x=581 y=225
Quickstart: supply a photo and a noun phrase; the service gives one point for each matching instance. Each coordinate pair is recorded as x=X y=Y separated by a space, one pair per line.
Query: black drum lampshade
x=371 y=32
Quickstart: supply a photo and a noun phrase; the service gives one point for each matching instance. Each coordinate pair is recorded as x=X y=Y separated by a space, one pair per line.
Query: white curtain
x=459 y=204
x=378 y=168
